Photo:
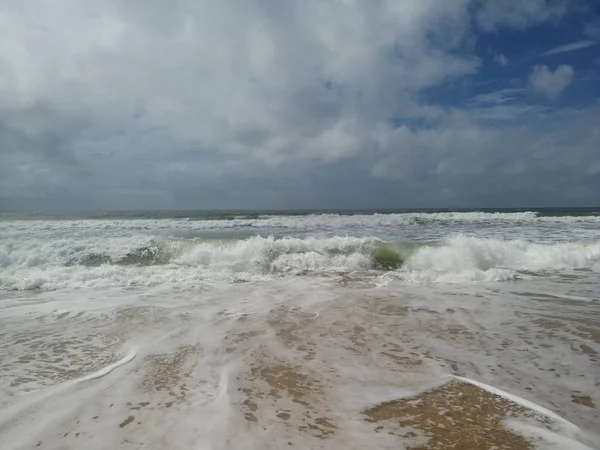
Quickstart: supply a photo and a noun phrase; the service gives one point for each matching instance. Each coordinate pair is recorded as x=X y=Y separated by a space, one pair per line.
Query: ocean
x=300 y=329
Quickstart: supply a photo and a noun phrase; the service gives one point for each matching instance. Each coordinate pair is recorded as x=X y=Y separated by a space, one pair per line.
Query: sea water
x=340 y=330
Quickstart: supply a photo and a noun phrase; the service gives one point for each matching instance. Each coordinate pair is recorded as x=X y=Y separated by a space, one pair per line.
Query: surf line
x=520 y=401
x=14 y=412
x=129 y=356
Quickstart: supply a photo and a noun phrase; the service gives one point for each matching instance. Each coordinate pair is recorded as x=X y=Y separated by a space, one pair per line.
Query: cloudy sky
x=160 y=104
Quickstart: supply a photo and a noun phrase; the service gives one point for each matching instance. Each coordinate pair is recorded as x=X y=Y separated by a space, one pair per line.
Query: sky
x=270 y=104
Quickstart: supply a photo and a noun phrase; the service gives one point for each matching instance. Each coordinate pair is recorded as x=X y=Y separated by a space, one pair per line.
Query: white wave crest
x=286 y=255
x=462 y=259
x=299 y=222
x=63 y=264
x=138 y=261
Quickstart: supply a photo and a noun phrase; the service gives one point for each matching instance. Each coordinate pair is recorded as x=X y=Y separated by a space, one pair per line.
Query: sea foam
x=141 y=261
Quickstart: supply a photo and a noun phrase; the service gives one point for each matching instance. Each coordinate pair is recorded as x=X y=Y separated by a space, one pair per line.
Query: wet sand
x=330 y=368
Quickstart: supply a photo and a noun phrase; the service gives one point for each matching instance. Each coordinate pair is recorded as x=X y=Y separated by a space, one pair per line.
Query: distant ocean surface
x=314 y=329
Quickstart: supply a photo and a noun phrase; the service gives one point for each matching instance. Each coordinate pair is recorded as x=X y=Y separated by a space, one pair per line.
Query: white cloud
x=592 y=29
x=569 y=47
x=519 y=13
x=501 y=59
x=462 y=152
x=496 y=97
x=247 y=78
x=122 y=97
x=505 y=105
x=550 y=84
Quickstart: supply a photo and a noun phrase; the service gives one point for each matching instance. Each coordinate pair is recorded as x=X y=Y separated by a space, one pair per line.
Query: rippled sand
x=304 y=364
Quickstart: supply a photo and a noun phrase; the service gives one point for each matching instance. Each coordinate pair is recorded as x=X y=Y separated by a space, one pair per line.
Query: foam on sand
x=129 y=356
x=550 y=439
x=12 y=413
x=464 y=413
x=520 y=401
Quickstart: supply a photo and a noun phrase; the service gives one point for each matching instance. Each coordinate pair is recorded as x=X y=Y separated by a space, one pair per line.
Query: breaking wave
x=61 y=263
x=297 y=222
x=255 y=251
x=461 y=259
